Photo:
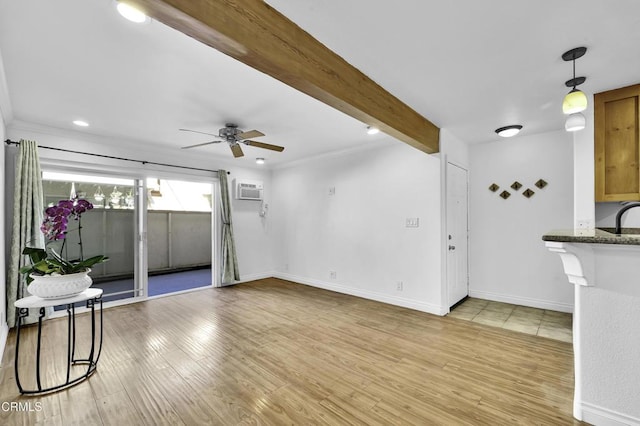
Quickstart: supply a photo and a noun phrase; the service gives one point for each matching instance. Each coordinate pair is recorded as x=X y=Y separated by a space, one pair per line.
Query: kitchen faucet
x=619 y=216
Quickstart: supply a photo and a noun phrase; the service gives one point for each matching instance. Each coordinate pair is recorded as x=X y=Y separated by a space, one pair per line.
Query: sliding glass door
x=179 y=238
x=156 y=232
x=110 y=228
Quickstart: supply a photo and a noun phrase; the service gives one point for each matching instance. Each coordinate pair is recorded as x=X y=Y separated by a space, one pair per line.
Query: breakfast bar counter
x=605 y=270
x=629 y=236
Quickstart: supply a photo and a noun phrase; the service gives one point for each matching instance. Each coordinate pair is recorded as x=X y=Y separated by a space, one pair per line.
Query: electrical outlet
x=399 y=286
x=333 y=275
x=584 y=224
x=332 y=190
x=286 y=267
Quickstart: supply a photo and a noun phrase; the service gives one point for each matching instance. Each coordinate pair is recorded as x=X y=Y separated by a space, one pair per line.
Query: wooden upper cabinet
x=617 y=144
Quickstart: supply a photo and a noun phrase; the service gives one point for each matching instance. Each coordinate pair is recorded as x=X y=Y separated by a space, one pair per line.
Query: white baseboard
x=366 y=294
x=600 y=416
x=4 y=333
x=253 y=277
x=523 y=301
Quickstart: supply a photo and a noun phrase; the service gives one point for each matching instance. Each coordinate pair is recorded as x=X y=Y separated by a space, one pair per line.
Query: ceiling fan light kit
x=372 y=130
x=234 y=137
x=509 y=131
x=259 y=160
x=575 y=101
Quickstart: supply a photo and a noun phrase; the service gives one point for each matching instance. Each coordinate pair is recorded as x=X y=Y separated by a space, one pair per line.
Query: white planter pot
x=59 y=286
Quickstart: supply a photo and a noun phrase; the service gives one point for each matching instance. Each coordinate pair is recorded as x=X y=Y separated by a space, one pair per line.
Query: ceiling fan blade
x=264 y=145
x=200 y=144
x=236 y=150
x=196 y=131
x=249 y=134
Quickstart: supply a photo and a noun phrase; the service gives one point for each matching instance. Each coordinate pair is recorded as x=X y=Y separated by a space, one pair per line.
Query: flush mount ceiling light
x=372 y=130
x=508 y=131
x=575 y=122
x=131 y=13
x=259 y=160
x=80 y=123
x=576 y=100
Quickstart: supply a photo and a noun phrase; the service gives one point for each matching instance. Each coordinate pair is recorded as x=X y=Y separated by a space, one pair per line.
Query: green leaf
x=35 y=254
x=61 y=262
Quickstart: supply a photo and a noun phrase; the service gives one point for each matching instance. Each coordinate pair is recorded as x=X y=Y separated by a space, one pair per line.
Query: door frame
x=445 y=241
x=140 y=249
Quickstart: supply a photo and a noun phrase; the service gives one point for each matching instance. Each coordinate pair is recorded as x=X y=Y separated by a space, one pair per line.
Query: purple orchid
x=54 y=226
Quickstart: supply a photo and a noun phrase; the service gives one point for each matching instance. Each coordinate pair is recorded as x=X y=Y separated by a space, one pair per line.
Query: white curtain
x=230 y=270
x=27 y=218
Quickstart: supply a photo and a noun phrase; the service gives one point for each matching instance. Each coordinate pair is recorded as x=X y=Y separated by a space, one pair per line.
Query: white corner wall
x=6 y=115
x=3 y=237
x=360 y=231
x=584 y=173
x=508 y=260
x=455 y=150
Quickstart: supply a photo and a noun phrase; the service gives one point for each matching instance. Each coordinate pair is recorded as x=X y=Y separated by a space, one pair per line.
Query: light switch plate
x=413 y=222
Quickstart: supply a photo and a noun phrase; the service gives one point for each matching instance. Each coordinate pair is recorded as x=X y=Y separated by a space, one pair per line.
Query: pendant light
x=576 y=100
x=575 y=122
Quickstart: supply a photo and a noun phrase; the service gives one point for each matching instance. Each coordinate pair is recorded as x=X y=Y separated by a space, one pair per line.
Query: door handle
x=452 y=247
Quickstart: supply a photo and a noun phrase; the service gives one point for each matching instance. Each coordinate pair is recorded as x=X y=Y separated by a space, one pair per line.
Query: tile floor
x=540 y=322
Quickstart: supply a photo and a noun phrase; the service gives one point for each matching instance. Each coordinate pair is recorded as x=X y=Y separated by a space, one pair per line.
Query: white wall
x=455 y=150
x=609 y=343
x=3 y=238
x=508 y=260
x=584 y=173
x=6 y=115
x=360 y=232
x=252 y=232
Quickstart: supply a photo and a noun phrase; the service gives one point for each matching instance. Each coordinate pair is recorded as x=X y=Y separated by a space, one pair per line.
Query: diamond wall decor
x=541 y=183
x=505 y=194
x=528 y=193
x=516 y=185
x=493 y=187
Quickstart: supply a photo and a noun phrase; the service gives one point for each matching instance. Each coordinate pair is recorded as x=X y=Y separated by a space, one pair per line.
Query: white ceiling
x=467 y=66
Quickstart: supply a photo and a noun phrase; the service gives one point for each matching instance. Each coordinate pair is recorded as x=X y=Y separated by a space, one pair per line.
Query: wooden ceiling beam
x=257 y=35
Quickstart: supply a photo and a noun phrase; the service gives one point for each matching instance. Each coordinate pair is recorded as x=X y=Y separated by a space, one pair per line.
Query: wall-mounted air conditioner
x=248 y=189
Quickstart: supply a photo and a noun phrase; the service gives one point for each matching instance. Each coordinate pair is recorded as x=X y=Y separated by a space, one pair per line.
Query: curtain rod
x=10 y=142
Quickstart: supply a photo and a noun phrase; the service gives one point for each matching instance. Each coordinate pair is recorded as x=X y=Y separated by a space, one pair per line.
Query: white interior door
x=457 y=234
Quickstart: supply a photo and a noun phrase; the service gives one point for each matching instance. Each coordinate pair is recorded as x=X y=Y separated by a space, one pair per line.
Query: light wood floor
x=275 y=352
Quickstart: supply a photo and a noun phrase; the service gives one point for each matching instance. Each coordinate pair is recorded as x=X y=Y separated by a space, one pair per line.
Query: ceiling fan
x=234 y=137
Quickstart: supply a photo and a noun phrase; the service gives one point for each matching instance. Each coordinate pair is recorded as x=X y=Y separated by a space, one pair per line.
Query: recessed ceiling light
x=131 y=13
x=80 y=123
x=508 y=131
x=372 y=130
x=259 y=160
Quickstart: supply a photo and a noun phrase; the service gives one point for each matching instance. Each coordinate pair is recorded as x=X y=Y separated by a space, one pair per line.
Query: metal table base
x=96 y=346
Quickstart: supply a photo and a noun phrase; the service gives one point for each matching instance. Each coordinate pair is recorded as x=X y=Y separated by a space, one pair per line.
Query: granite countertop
x=630 y=236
